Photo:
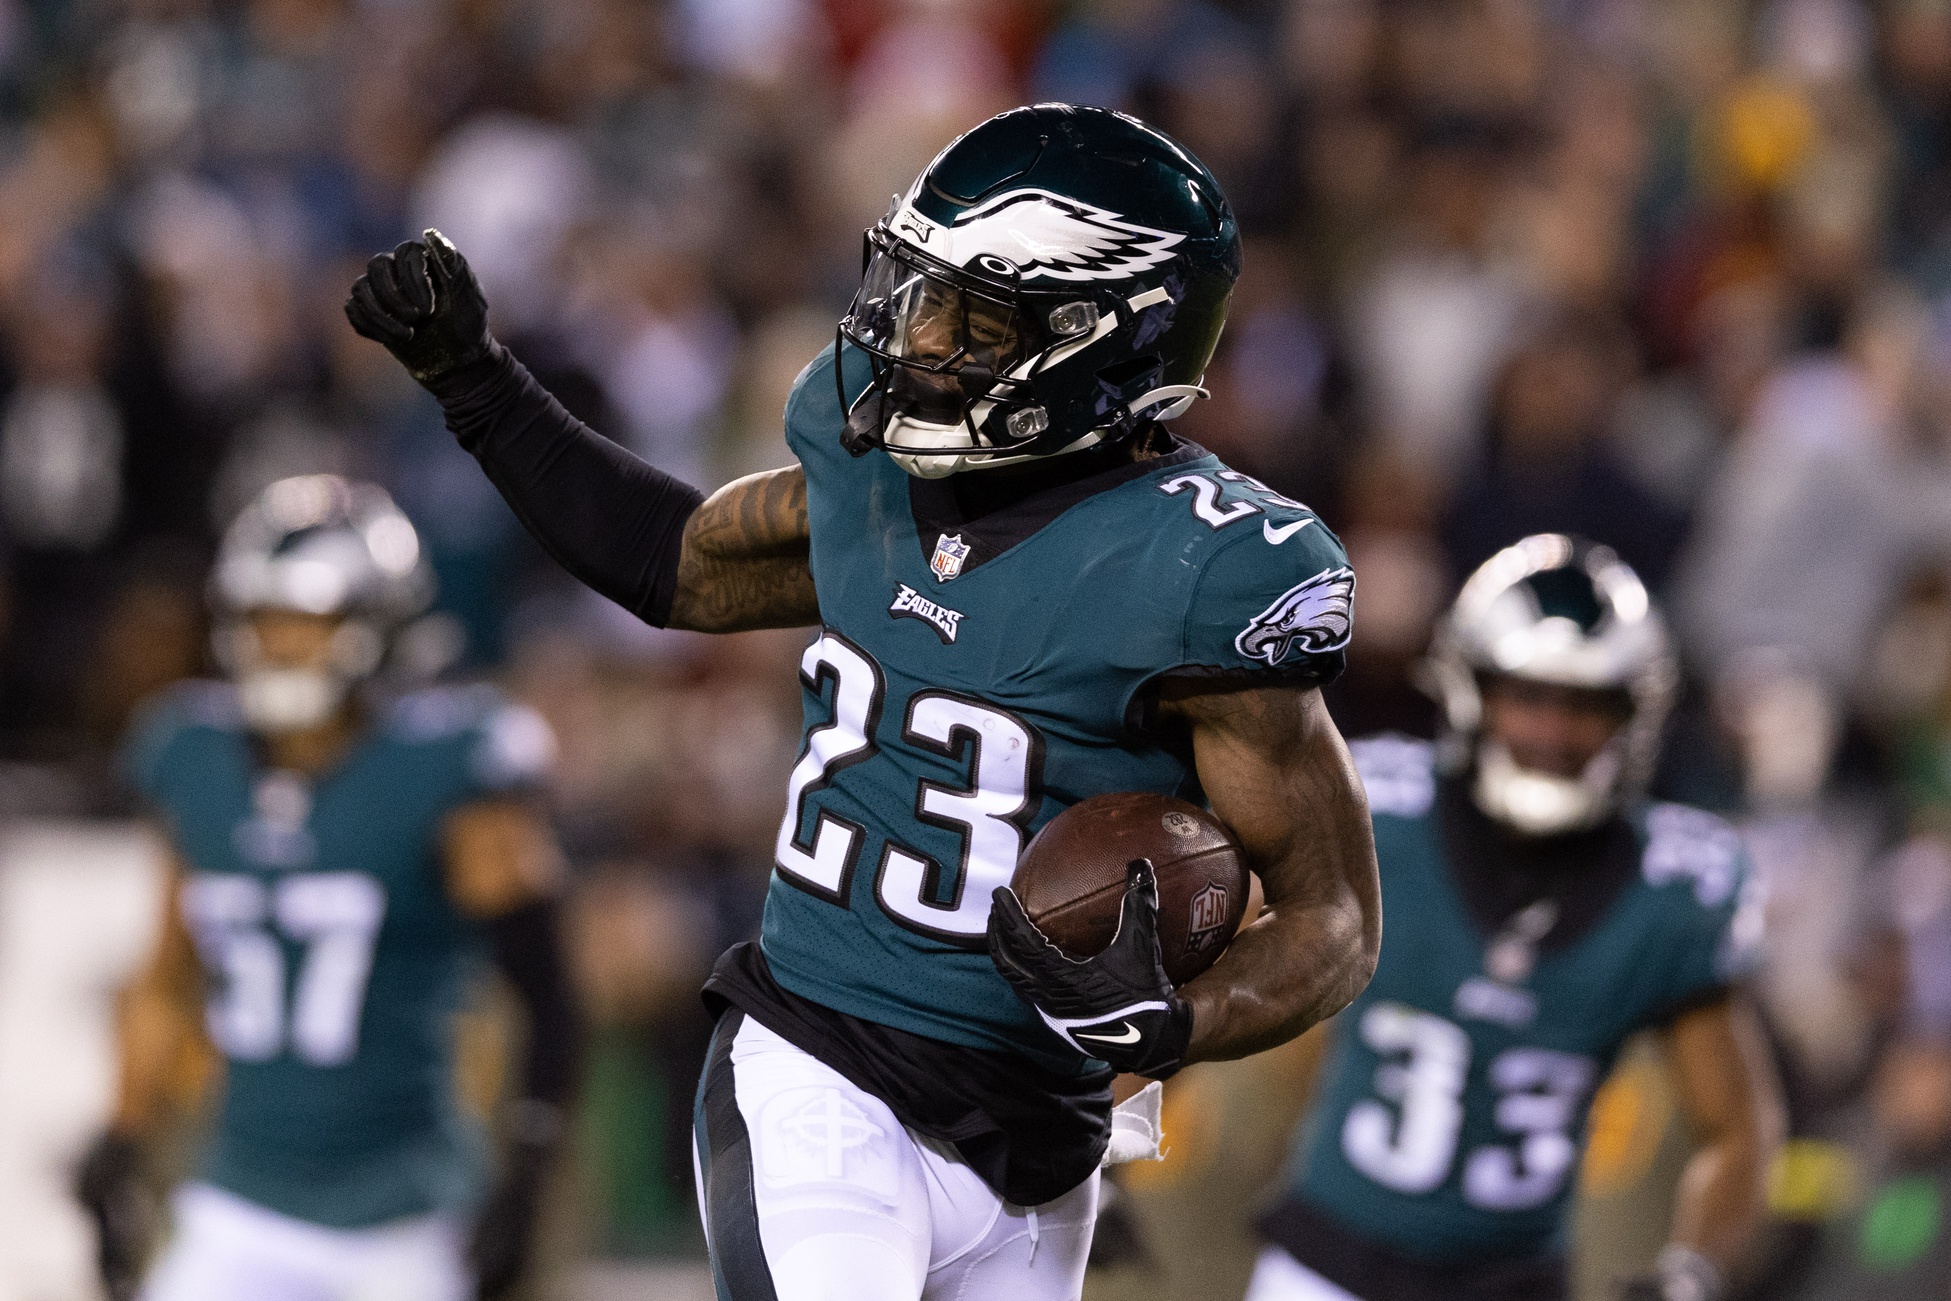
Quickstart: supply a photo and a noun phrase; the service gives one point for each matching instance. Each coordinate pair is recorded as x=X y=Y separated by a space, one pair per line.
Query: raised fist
x=422 y=302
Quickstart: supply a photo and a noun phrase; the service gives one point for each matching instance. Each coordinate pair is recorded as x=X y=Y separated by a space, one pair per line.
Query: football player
x=1540 y=912
x=340 y=866
x=1028 y=592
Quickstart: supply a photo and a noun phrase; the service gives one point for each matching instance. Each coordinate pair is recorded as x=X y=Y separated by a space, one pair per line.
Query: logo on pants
x=823 y=1130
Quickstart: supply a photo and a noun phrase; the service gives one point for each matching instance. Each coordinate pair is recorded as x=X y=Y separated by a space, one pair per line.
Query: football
x=1071 y=877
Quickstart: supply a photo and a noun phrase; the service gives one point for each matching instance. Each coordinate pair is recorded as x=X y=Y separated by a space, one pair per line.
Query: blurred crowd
x=1673 y=274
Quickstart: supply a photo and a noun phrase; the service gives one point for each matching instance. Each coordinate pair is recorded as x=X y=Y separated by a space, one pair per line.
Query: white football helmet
x=315 y=544
x=1558 y=610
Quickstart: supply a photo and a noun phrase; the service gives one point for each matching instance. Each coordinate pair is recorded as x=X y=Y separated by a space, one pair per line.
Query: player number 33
x=1425 y=1065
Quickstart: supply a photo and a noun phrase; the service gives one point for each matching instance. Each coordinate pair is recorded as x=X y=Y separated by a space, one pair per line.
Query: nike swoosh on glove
x=422 y=302
x=1117 y=1007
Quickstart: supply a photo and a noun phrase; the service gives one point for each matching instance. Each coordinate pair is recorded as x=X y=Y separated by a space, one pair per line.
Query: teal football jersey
x=971 y=683
x=335 y=962
x=1453 y=1107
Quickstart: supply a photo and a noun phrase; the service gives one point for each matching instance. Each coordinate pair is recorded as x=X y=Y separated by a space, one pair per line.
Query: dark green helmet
x=1057 y=278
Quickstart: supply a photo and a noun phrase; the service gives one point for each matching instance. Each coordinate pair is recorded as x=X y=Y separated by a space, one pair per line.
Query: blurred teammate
x=1540 y=911
x=1030 y=593
x=341 y=865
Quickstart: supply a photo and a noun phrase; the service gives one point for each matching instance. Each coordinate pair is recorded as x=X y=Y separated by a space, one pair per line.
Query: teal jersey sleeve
x=815 y=412
x=146 y=750
x=513 y=751
x=165 y=730
x=503 y=748
x=1275 y=597
x=1696 y=861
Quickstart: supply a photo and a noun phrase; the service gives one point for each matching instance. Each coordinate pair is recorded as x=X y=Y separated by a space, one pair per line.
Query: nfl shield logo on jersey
x=950 y=553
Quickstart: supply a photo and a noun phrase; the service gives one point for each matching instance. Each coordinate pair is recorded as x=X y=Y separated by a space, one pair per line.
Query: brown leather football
x=1071 y=877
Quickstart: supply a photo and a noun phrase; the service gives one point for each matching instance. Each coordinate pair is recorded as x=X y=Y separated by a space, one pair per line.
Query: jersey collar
x=990 y=523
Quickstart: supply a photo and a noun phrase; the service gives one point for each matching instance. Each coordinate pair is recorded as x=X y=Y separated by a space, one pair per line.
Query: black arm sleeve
x=528 y=950
x=606 y=516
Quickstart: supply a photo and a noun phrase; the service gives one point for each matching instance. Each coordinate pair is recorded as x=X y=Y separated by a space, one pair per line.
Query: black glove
x=110 y=1187
x=423 y=303
x=504 y=1233
x=1118 y=1006
x=1680 y=1274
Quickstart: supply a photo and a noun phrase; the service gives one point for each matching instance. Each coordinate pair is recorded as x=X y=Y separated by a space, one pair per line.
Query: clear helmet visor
x=948 y=345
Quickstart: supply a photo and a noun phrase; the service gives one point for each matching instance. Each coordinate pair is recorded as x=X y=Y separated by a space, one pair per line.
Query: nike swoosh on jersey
x=1130 y=1036
x=1276 y=536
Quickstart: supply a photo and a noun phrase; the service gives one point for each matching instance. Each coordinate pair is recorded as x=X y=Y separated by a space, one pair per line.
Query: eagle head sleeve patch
x=1312 y=617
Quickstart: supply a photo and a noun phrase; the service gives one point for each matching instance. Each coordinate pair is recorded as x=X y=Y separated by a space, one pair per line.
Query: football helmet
x=1057 y=278
x=1558 y=610
x=315 y=544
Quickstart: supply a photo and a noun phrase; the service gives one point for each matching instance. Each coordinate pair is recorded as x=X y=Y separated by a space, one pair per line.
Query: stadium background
x=1675 y=274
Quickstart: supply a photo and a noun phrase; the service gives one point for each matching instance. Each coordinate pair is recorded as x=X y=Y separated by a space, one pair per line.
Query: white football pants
x=1277 y=1276
x=229 y=1249
x=811 y=1190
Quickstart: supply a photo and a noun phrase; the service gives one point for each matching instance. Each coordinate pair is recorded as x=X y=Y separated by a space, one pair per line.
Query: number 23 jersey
x=333 y=960
x=973 y=680
x=1451 y=1113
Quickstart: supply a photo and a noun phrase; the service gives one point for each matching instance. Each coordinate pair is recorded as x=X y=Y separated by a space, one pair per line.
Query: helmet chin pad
x=1534 y=803
x=932 y=451
x=289 y=700
x=278 y=699
x=909 y=442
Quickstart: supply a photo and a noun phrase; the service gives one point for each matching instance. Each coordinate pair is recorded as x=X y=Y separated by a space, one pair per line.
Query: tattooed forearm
x=760 y=515
x=744 y=562
x=1277 y=773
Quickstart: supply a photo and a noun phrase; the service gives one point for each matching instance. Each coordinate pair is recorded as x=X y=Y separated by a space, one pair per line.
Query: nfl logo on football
x=1208 y=918
x=950 y=553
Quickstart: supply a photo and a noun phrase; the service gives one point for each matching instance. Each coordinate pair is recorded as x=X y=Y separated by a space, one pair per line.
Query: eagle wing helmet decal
x=1043 y=236
x=1315 y=616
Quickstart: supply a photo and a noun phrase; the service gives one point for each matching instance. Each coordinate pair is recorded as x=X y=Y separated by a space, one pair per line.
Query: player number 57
x=238 y=921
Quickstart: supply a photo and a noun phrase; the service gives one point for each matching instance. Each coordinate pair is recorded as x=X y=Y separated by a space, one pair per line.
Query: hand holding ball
x=1071 y=877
